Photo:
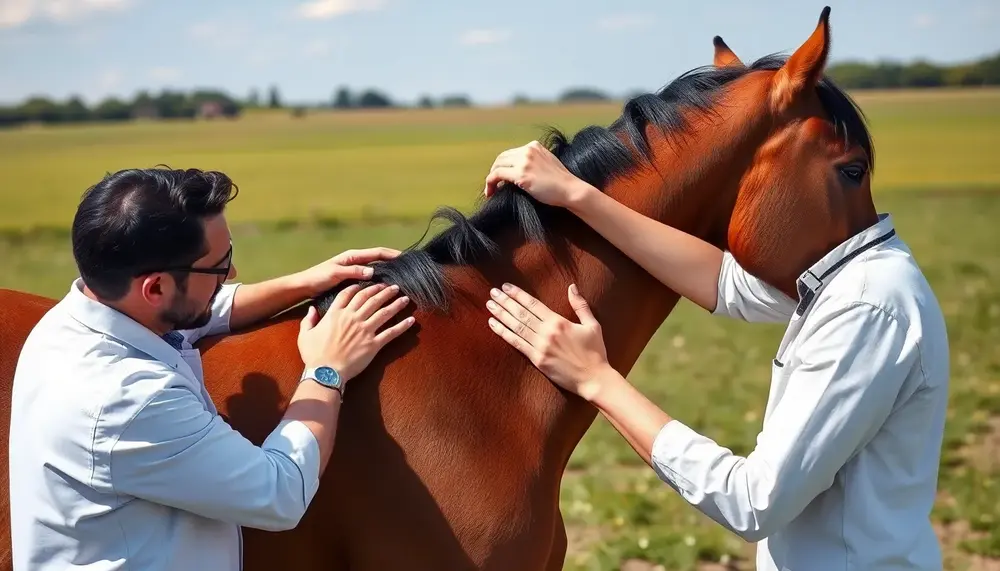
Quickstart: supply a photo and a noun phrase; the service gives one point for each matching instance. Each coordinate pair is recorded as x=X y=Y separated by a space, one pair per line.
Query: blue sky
x=488 y=50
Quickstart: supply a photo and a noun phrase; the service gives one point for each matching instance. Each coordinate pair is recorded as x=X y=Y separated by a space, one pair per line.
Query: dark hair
x=136 y=221
x=595 y=154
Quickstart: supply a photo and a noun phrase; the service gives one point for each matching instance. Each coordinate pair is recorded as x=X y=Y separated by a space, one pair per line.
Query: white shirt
x=844 y=473
x=119 y=459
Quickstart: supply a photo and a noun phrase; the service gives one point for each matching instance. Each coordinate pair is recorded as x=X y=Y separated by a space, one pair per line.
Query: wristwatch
x=326 y=376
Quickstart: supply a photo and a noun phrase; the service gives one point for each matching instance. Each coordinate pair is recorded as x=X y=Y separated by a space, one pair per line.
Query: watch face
x=327 y=376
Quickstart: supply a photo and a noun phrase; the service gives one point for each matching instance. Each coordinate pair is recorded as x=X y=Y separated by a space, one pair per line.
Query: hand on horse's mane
x=538 y=172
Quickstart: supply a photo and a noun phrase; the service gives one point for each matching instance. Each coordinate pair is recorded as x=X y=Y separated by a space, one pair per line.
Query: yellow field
x=403 y=163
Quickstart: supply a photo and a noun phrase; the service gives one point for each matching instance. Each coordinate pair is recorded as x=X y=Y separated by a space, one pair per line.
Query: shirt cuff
x=294 y=439
x=672 y=455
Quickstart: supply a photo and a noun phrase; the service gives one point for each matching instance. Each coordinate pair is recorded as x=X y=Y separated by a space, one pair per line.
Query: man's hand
x=344 y=266
x=347 y=337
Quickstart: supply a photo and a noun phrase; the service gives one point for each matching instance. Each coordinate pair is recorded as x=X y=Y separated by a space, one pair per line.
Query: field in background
x=402 y=163
x=315 y=186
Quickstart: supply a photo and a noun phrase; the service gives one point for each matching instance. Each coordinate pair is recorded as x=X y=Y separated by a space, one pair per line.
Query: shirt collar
x=109 y=321
x=812 y=281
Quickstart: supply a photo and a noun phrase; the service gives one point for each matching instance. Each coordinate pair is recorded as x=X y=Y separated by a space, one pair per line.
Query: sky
x=488 y=50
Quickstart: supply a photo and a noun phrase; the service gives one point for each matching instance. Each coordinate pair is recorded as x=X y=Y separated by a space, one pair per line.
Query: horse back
x=19 y=312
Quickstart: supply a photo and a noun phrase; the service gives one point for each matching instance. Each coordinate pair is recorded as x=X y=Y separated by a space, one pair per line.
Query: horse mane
x=596 y=155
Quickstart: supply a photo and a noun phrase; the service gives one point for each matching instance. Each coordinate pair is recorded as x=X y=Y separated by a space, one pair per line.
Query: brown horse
x=451 y=446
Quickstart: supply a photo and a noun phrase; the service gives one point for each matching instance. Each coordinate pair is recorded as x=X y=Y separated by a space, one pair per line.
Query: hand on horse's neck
x=696 y=196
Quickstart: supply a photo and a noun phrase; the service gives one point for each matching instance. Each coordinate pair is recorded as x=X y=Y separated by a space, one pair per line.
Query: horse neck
x=697 y=197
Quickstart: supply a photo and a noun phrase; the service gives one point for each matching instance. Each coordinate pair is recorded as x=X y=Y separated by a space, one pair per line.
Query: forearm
x=633 y=415
x=259 y=301
x=711 y=477
x=318 y=408
x=684 y=263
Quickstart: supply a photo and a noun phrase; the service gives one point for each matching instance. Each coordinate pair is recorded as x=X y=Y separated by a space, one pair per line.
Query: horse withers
x=452 y=446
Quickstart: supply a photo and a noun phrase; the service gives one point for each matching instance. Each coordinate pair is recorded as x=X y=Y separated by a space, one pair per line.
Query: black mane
x=595 y=154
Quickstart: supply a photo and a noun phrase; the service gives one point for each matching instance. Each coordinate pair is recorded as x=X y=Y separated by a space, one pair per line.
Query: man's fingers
x=396 y=330
x=383 y=315
x=345 y=295
x=364 y=295
x=309 y=320
x=376 y=301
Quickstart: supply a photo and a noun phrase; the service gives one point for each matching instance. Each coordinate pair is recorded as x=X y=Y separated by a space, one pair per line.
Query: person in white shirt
x=844 y=472
x=118 y=457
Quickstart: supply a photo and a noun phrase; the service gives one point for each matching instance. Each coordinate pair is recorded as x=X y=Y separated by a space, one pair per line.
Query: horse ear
x=805 y=67
x=723 y=55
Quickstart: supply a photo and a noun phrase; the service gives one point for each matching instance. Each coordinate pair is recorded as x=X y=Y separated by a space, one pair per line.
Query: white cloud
x=324 y=9
x=923 y=21
x=483 y=37
x=165 y=74
x=14 y=13
x=619 y=22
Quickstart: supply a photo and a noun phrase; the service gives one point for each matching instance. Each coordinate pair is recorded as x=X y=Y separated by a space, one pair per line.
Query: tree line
x=204 y=103
x=921 y=73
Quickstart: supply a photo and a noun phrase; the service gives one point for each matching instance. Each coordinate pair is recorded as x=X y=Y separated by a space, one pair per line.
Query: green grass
x=709 y=372
x=313 y=187
x=399 y=163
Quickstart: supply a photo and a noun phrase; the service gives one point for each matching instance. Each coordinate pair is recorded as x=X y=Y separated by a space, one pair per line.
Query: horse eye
x=854 y=173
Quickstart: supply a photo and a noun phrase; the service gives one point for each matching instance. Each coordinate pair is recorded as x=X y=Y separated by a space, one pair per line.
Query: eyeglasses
x=223 y=271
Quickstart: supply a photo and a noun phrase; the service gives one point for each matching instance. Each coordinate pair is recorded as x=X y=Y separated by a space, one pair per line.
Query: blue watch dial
x=327 y=376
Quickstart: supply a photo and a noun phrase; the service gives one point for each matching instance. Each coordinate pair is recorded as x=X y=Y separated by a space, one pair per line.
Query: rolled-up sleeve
x=853 y=365
x=744 y=296
x=175 y=452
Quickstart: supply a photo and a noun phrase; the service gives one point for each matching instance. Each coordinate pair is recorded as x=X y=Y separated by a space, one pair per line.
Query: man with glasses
x=118 y=457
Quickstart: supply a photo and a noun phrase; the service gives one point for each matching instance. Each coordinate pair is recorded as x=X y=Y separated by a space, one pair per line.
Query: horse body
x=451 y=446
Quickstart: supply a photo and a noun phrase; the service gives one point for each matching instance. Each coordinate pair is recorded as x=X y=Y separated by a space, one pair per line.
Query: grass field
x=397 y=163
x=380 y=175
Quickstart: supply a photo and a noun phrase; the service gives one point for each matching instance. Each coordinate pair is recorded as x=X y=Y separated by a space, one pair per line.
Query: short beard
x=180 y=316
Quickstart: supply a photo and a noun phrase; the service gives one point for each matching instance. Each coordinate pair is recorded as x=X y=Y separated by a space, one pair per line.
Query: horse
x=451 y=446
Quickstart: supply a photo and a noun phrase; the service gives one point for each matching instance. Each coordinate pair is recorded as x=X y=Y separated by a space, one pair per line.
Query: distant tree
x=457 y=100
x=11 y=116
x=75 y=110
x=521 y=99
x=253 y=98
x=582 y=94
x=274 y=98
x=144 y=106
x=425 y=102
x=923 y=74
x=113 y=109
x=228 y=106
x=41 y=109
x=175 y=105
x=343 y=99
x=373 y=99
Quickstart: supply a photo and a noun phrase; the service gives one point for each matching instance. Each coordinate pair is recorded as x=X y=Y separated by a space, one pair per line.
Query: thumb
x=309 y=321
x=580 y=306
